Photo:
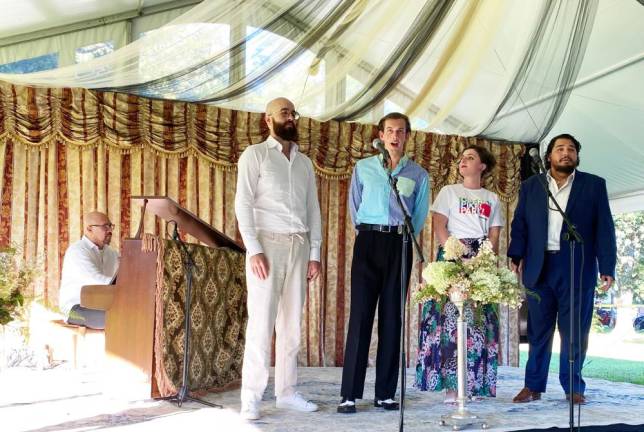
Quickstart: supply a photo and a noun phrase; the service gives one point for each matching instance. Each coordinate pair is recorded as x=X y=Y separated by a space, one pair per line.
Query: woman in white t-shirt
x=470 y=213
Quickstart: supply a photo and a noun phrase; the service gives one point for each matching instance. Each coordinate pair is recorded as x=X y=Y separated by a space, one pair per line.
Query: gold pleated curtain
x=64 y=152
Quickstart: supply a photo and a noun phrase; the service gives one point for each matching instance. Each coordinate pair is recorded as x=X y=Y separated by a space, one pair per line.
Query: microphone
x=536 y=159
x=380 y=146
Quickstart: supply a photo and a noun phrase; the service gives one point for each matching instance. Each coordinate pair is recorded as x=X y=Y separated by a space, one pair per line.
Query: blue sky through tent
x=89 y=52
x=34 y=64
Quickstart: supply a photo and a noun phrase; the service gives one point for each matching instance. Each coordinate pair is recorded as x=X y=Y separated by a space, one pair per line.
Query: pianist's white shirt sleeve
x=84 y=264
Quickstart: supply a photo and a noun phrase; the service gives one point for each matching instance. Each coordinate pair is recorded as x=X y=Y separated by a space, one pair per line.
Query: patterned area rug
x=72 y=400
x=621 y=427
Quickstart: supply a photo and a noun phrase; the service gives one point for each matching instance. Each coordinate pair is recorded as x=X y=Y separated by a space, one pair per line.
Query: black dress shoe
x=346 y=408
x=393 y=405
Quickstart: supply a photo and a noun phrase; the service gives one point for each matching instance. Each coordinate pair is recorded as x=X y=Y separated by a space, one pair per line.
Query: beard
x=566 y=169
x=287 y=130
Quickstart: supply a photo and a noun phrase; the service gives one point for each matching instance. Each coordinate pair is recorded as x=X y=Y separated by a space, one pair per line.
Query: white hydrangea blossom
x=454 y=249
x=479 y=279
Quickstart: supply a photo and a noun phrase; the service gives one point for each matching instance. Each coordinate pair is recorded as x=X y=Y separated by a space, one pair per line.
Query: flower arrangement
x=16 y=275
x=478 y=279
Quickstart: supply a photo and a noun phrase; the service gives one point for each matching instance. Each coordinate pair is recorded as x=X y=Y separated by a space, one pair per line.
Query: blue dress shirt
x=372 y=201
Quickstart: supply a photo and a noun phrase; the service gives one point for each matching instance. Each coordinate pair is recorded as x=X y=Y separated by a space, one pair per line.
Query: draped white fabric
x=452 y=64
x=504 y=69
x=606 y=106
x=66 y=42
x=115 y=33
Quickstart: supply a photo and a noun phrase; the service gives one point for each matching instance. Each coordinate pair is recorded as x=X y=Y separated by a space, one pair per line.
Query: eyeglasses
x=285 y=113
x=106 y=226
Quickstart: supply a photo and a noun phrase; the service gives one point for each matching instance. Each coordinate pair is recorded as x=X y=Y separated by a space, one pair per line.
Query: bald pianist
x=89 y=261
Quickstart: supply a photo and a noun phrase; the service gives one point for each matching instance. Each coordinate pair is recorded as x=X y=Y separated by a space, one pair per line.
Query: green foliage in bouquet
x=16 y=276
x=478 y=279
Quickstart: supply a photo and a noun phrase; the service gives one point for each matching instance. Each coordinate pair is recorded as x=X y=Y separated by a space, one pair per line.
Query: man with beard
x=89 y=261
x=279 y=220
x=541 y=254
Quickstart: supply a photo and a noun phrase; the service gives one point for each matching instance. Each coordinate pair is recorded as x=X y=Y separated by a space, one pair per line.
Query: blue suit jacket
x=588 y=210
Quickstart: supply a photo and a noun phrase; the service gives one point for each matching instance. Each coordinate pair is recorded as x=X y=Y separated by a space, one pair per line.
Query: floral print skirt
x=437 y=350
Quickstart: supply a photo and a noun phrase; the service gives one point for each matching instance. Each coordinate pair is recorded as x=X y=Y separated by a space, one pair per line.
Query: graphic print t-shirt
x=470 y=212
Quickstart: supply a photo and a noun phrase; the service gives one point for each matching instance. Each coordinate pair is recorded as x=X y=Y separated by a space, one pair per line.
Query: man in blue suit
x=540 y=253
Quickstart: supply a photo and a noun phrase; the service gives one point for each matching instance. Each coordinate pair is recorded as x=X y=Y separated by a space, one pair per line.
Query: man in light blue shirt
x=377 y=261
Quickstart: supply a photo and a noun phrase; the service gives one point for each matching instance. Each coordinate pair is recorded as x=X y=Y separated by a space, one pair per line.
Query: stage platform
x=63 y=399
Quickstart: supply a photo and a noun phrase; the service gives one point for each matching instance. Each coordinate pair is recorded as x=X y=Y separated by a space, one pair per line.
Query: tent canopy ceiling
x=26 y=16
x=606 y=108
x=604 y=95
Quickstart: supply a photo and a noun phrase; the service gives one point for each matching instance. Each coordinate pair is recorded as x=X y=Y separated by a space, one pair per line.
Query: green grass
x=601 y=367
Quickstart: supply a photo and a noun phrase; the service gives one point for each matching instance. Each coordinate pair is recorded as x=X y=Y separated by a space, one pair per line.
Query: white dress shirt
x=85 y=264
x=555 y=220
x=277 y=194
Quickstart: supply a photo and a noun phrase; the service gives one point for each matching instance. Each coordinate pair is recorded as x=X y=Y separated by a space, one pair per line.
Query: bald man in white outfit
x=89 y=261
x=279 y=220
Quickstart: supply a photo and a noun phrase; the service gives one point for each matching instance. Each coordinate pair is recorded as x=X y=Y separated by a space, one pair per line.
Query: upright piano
x=131 y=304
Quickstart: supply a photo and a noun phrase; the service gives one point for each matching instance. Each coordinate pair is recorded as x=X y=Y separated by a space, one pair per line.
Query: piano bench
x=78 y=344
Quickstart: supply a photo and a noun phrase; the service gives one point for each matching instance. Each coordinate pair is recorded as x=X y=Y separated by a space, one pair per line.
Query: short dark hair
x=394 y=116
x=485 y=155
x=551 y=145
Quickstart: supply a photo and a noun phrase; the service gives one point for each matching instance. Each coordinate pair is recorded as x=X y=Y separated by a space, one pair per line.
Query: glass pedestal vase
x=461 y=418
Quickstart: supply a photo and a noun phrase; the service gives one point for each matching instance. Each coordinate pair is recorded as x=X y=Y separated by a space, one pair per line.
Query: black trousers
x=91 y=318
x=375 y=280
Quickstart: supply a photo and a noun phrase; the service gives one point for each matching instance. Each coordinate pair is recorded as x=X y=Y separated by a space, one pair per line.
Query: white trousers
x=275 y=302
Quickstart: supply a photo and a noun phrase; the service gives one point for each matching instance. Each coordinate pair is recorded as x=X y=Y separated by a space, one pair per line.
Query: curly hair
x=485 y=155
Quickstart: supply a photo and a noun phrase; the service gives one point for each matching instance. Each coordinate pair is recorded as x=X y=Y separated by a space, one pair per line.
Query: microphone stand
x=182 y=395
x=408 y=231
x=573 y=237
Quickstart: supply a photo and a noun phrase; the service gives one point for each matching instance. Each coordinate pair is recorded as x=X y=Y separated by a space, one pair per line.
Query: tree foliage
x=16 y=276
x=629 y=229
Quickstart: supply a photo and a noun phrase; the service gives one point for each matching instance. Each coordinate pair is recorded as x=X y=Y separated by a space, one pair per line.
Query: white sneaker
x=250 y=411
x=296 y=402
